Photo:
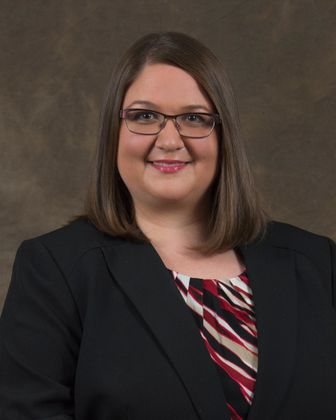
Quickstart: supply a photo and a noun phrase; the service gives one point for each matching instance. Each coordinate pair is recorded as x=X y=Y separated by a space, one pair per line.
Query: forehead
x=167 y=86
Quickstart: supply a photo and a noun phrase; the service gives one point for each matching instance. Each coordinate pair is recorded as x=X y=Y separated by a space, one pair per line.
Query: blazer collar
x=142 y=275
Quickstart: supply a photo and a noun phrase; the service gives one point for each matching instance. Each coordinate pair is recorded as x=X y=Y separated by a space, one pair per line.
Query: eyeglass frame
x=216 y=117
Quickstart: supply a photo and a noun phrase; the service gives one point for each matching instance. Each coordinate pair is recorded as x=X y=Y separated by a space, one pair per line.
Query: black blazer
x=94 y=328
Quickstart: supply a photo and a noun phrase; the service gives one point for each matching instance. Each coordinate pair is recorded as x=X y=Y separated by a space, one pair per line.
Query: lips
x=168 y=165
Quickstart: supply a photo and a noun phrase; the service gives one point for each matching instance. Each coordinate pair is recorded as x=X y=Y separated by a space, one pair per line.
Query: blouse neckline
x=226 y=280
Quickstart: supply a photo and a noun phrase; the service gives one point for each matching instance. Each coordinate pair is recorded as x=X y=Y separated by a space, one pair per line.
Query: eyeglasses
x=195 y=125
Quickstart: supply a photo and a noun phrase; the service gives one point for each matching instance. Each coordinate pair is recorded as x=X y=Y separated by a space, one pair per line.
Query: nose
x=169 y=138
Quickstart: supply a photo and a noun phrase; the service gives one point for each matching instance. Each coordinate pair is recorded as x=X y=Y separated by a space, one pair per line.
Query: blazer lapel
x=271 y=271
x=142 y=275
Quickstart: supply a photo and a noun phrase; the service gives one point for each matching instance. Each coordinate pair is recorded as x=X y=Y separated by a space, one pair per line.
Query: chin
x=166 y=198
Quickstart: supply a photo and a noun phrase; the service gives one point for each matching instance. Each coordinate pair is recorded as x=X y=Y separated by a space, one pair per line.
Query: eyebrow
x=185 y=108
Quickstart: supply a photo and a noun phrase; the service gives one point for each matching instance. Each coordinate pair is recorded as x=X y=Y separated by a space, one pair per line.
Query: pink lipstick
x=169 y=166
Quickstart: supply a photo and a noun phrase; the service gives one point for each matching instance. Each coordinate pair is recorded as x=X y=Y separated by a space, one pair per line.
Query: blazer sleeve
x=40 y=332
x=333 y=270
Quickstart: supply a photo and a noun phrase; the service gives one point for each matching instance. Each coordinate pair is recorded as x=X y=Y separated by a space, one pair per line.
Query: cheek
x=131 y=157
x=130 y=149
x=208 y=151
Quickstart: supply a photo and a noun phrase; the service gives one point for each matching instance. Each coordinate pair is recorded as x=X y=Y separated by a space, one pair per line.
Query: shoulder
x=68 y=244
x=316 y=247
x=290 y=236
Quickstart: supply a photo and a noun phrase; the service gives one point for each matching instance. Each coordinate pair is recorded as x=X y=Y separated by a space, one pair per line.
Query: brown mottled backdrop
x=56 y=58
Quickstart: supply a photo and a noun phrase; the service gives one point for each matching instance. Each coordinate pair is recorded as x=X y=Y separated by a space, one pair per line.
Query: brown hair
x=236 y=217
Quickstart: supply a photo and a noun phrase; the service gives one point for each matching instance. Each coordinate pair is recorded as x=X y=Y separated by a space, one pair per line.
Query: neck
x=172 y=228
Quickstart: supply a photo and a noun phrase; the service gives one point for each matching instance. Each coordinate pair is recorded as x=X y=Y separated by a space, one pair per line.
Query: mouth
x=168 y=166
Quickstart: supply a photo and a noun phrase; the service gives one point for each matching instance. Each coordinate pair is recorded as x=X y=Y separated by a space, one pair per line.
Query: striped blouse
x=224 y=314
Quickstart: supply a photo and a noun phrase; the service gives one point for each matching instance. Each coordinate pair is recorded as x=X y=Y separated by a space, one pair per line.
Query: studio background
x=56 y=58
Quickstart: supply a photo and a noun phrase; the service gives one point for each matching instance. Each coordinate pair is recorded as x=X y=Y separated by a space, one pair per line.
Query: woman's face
x=170 y=90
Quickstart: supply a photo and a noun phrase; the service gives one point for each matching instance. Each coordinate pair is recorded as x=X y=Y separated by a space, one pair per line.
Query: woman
x=174 y=297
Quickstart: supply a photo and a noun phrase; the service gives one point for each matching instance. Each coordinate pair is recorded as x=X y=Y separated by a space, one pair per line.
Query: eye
x=194 y=119
x=142 y=116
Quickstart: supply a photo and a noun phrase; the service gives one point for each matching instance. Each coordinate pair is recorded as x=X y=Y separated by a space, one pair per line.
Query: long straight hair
x=236 y=216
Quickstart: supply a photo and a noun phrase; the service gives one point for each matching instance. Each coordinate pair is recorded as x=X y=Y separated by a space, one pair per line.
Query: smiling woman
x=167 y=167
x=175 y=296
